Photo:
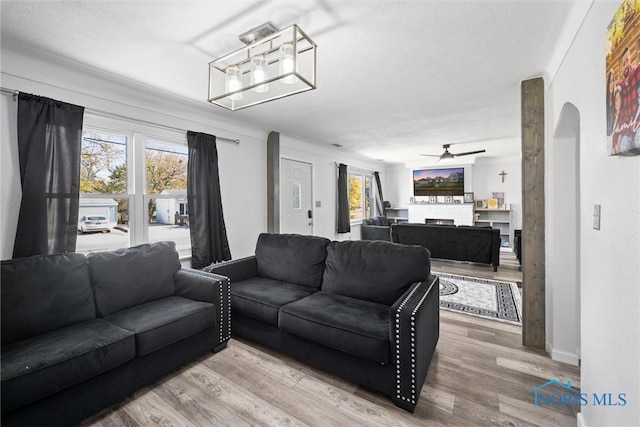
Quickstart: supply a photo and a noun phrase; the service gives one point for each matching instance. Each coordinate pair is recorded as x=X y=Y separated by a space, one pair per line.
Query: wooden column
x=533 y=266
x=273 y=182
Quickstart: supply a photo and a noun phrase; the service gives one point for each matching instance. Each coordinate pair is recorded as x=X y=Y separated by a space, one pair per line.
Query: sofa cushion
x=132 y=276
x=261 y=298
x=292 y=258
x=45 y=364
x=356 y=327
x=375 y=271
x=165 y=321
x=43 y=293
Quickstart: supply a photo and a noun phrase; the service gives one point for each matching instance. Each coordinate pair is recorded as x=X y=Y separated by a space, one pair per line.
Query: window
x=103 y=192
x=361 y=201
x=166 y=180
x=139 y=183
x=297 y=196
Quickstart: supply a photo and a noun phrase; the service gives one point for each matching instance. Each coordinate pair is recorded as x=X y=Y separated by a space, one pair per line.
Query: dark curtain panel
x=344 y=223
x=379 y=200
x=206 y=222
x=49 y=143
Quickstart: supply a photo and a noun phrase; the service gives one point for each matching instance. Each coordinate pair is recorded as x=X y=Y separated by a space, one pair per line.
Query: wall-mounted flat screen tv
x=438 y=182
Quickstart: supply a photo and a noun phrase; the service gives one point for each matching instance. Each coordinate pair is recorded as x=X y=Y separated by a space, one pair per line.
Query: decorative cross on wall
x=502 y=174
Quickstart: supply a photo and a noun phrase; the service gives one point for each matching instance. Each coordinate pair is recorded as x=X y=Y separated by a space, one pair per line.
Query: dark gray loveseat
x=367 y=311
x=376 y=228
x=464 y=243
x=82 y=333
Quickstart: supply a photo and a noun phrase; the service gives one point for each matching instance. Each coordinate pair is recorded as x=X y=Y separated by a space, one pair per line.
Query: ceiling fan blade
x=430 y=155
x=469 y=152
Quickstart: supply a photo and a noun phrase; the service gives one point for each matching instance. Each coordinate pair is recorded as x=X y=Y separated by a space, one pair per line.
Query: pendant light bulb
x=259 y=73
x=287 y=63
x=233 y=82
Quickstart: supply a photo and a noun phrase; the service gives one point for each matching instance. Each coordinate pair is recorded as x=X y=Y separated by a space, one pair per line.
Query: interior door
x=296 y=214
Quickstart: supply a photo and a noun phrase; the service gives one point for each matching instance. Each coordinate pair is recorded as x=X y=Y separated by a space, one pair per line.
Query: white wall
x=242 y=167
x=399 y=186
x=323 y=161
x=486 y=180
x=610 y=267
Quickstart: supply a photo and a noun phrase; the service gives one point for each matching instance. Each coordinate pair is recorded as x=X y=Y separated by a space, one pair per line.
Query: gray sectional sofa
x=364 y=310
x=82 y=333
x=376 y=228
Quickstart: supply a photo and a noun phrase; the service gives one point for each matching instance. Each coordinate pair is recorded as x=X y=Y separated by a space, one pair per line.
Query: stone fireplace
x=439 y=221
x=460 y=213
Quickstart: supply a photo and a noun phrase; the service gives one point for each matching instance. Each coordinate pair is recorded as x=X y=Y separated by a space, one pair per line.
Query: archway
x=562 y=245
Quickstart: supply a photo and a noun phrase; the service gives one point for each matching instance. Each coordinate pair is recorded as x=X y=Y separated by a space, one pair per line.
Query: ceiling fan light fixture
x=274 y=64
x=446 y=159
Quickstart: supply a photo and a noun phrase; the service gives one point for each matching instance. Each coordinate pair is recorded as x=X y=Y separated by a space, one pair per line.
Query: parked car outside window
x=94 y=223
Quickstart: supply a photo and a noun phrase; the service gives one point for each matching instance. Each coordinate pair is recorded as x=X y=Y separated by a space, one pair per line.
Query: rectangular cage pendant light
x=271 y=66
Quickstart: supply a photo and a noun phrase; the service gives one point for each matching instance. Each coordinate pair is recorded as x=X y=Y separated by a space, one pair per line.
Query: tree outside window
x=103 y=163
x=355 y=198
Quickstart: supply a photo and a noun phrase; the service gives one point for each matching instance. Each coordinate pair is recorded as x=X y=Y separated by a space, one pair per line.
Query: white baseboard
x=563 y=356
x=580 y=420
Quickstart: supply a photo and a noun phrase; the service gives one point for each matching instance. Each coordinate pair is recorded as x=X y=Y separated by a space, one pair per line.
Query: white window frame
x=137 y=136
x=364 y=176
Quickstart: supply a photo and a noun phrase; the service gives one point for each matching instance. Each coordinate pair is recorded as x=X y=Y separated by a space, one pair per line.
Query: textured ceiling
x=395 y=78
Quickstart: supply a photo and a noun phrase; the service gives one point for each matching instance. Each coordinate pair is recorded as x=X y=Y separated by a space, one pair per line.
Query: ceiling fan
x=448 y=157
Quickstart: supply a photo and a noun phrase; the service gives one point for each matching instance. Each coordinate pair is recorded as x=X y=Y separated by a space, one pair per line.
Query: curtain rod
x=355 y=168
x=119 y=116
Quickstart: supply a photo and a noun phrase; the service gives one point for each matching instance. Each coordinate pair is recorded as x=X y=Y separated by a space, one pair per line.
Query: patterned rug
x=481 y=297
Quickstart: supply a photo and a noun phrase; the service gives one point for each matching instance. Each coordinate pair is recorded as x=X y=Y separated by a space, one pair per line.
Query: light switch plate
x=596 y=217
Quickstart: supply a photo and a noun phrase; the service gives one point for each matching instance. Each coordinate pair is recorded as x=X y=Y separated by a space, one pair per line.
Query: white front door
x=295 y=197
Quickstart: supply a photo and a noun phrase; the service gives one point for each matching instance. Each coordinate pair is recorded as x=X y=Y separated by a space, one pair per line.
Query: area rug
x=481 y=297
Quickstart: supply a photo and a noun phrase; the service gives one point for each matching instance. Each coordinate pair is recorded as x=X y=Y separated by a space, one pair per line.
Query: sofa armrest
x=236 y=270
x=414 y=332
x=201 y=286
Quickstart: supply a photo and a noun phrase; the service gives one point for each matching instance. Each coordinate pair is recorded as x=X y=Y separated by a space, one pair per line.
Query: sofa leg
x=495 y=268
x=221 y=346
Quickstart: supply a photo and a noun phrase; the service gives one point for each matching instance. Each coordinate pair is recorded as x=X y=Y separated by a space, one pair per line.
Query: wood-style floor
x=480 y=376
x=508 y=271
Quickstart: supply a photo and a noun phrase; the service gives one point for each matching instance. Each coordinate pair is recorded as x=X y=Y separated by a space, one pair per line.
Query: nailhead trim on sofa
x=225 y=333
x=399 y=395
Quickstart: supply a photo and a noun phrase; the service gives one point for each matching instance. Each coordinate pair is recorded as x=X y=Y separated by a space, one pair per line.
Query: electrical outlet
x=596 y=217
